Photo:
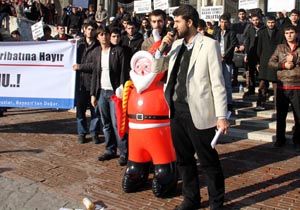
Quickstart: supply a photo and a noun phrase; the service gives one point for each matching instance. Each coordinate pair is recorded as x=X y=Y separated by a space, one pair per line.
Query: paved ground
x=43 y=167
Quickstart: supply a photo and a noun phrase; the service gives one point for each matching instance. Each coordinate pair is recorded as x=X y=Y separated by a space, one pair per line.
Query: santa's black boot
x=136 y=175
x=165 y=179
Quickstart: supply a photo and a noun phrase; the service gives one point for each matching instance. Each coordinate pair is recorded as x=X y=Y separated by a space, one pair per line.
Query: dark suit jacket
x=230 y=42
x=251 y=39
x=118 y=67
x=86 y=66
x=265 y=48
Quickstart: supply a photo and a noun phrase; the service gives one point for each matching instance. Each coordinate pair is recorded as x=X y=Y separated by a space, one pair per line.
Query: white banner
x=161 y=4
x=171 y=10
x=211 y=13
x=248 y=4
x=37 y=74
x=37 y=30
x=277 y=6
x=142 y=6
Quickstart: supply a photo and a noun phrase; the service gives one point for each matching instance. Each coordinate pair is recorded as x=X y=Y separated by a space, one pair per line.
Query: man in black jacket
x=228 y=42
x=132 y=39
x=84 y=69
x=251 y=59
x=111 y=70
x=268 y=39
x=240 y=29
x=75 y=20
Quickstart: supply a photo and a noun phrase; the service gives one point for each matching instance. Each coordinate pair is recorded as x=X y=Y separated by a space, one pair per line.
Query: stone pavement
x=43 y=167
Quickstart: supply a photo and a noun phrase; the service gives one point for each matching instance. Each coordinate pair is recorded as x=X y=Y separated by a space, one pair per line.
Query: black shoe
x=97 y=140
x=106 y=156
x=297 y=147
x=81 y=139
x=187 y=205
x=123 y=160
x=279 y=143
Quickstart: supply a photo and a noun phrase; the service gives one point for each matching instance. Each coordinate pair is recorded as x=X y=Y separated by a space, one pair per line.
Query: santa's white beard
x=142 y=82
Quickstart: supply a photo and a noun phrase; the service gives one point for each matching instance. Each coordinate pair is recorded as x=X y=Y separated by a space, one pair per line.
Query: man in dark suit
x=111 y=70
x=251 y=40
x=240 y=28
x=84 y=69
x=228 y=42
x=268 y=39
x=196 y=95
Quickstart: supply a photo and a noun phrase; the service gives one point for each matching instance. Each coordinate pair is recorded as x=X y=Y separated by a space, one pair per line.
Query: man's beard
x=183 y=34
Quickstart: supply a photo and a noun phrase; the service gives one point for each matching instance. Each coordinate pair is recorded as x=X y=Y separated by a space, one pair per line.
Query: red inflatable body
x=149 y=126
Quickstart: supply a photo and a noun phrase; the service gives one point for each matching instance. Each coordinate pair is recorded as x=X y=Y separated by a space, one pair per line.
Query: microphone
x=164 y=45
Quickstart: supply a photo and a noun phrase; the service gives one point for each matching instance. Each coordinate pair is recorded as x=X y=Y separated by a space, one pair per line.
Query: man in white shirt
x=111 y=70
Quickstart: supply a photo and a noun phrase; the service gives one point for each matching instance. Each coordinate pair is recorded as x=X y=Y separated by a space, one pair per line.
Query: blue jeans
x=109 y=121
x=227 y=74
x=83 y=99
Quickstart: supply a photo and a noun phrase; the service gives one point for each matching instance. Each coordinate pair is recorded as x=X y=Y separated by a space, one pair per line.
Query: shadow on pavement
x=245 y=160
x=14 y=111
x=22 y=150
x=62 y=126
x=292 y=182
x=2 y=170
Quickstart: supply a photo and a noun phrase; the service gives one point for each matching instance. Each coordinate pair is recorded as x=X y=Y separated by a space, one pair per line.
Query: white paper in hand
x=218 y=133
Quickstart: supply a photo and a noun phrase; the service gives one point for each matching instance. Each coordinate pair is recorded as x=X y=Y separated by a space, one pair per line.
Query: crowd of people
x=265 y=46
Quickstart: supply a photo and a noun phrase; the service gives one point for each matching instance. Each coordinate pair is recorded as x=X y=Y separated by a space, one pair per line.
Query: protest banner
x=248 y=4
x=142 y=6
x=277 y=6
x=171 y=10
x=81 y=3
x=161 y=4
x=211 y=12
x=37 y=74
x=37 y=30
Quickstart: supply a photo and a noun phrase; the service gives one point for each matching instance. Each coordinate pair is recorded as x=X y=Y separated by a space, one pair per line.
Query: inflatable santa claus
x=149 y=136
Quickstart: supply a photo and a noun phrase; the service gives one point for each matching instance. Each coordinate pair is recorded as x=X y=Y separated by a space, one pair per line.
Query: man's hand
x=289 y=65
x=257 y=67
x=75 y=67
x=93 y=101
x=223 y=125
x=246 y=59
x=167 y=40
x=289 y=58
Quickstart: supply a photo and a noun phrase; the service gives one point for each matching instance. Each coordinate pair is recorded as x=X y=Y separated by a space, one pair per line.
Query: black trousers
x=284 y=99
x=250 y=75
x=188 y=140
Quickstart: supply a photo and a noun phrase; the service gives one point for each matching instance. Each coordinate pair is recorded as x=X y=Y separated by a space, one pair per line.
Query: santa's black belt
x=147 y=117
